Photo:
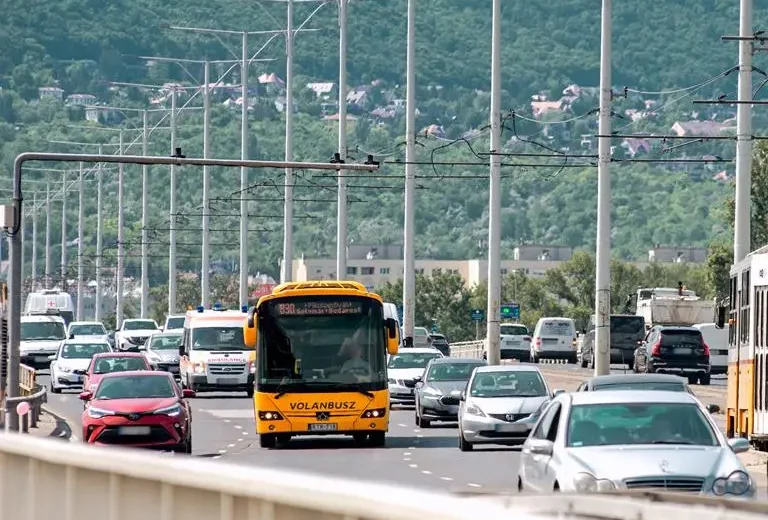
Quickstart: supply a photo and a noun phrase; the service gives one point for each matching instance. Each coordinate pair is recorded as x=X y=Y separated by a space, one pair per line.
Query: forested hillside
x=83 y=46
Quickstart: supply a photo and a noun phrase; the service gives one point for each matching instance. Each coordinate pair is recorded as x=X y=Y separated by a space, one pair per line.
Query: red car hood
x=134 y=405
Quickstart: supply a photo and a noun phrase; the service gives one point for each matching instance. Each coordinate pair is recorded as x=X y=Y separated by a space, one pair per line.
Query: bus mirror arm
x=251 y=317
x=391 y=327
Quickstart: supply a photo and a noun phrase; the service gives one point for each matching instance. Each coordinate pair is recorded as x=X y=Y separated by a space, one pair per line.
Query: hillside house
x=698 y=128
x=80 y=100
x=51 y=93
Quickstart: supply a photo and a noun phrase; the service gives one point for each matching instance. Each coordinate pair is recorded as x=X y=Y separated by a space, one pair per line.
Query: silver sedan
x=645 y=440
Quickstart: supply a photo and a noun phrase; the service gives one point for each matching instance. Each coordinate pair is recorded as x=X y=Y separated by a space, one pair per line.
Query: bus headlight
x=270 y=416
x=374 y=414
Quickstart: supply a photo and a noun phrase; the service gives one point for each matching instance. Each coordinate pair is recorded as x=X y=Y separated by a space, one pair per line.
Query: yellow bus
x=746 y=312
x=321 y=362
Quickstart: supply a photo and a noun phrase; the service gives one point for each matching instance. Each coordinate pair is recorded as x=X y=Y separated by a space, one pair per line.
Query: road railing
x=468 y=349
x=29 y=404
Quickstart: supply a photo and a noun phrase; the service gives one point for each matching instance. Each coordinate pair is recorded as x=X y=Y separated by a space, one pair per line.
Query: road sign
x=510 y=311
x=478 y=314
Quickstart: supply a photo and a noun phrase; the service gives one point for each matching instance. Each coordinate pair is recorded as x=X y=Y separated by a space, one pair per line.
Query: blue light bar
x=217 y=306
x=244 y=308
x=200 y=308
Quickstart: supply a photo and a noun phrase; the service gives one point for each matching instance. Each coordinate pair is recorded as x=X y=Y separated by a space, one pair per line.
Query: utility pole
x=494 y=222
x=206 y=250
x=742 y=243
x=80 y=246
x=120 y=240
x=99 y=240
x=287 y=274
x=145 y=218
x=409 y=277
x=603 y=256
x=47 y=230
x=244 y=67
x=34 y=239
x=341 y=219
x=172 y=216
x=63 y=231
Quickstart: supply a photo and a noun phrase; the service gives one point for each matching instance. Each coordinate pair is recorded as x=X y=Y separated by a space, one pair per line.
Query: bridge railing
x=468 y=349
x=32 y=393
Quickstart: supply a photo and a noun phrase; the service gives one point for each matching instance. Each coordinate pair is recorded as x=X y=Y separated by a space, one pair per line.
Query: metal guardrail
x=468 y=349
x=32 y=394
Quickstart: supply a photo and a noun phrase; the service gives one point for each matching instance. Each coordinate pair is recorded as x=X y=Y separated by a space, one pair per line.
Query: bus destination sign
x=318 y=308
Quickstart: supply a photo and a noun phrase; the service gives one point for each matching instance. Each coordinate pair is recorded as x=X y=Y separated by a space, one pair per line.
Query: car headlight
x=737 y=483
x=65 y=370
x=252 y=367
x=170 y=411
x=473 y=409
x=392 y=381
x=198 y=368
x=98 y=413
x=432 y=391
x=584 y=482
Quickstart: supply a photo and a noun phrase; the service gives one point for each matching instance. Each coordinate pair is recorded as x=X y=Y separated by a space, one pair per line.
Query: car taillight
x=538 y=342
x=706 y=348
x=656 y=349
x=526 y=338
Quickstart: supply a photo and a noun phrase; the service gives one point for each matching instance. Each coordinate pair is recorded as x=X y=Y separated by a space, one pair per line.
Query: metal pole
x=47 y=230
x=80 y=246
x=341 y=219
x=494 y=220
x=287 y=267
x=14 y=316
x=206 y=251
x=120 y=240
x=172 y=216
x=34 y=239
x=409 y=276
x=99 y=241
x=145 y=219
x=23 y=246
x=603 y=268
x=742 y=235
x=64 y=231
x=244 y=176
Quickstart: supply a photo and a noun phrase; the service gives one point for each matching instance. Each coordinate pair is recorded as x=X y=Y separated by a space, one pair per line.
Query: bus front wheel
x=377 y=439
x=267 y=440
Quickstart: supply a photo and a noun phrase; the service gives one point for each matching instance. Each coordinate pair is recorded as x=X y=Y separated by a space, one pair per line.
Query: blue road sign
x=510 y=311
x=478 y=314
x=400 y=314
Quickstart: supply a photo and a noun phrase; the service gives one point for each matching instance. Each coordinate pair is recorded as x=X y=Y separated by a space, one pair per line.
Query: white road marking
x=411 y=447
x=222 y=451
x=407 y=453
x=230 y=445
x=402 y=425
x=237 y=426
x=447 y=479
x=426 y=472
x=406 y=459
x=416 y=430
x=240 y=440
x=227 y=421
x=231 y=413
x=419 y=436
x=413 y=465
x=216 y=457
x=245 y=433
x=474 y=485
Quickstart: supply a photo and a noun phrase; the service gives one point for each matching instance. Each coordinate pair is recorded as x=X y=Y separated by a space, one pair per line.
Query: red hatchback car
x=138 y=409
x=108 y=362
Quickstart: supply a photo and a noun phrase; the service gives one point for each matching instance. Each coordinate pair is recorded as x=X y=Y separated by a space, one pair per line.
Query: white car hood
x=622 y=462
x=73 y=364
x=137 y=333
x=404 y=373
x=513 y=405
x=104 y=337
x=44 y=345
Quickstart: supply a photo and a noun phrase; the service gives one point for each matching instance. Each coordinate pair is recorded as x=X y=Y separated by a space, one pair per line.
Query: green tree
x=759 y=198
x=719 y=262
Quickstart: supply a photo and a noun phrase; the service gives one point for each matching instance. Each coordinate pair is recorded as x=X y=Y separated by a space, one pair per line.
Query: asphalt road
x=223 y=428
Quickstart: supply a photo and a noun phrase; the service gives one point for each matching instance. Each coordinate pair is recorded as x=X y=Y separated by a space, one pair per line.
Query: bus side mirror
x=721 y=312
x=393 y=336
x=250 y=334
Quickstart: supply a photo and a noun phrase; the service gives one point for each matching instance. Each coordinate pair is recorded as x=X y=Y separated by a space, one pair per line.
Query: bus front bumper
x=314 y=426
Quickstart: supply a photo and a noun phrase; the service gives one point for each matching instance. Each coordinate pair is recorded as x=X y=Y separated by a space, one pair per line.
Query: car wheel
x=704 y=380
x=359 y=438
x=251 y=391
x=55 y=390
x=463 y=444
x=583 y=362
x=425 y=423
x=377 y=439
x=267 y=440
x=519 y=485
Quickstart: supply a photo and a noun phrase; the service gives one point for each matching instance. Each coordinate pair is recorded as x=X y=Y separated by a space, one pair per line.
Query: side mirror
x=85 y=396
x=250 y=332
x=187 y=393
x=739 y=445
x=419 y=384
x=393 y=336
x=713 y=408
x=463 y=396
x=540 y=447
x=52 y=358
x=557 y=391
x=182 y=350
x=72 y=336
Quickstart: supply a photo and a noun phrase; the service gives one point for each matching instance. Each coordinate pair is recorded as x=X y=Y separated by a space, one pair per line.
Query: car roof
x=637 y=396
x=675 y=327
x=86 y=323
x=515 y=367
x=40 y=318
x=454 y=360
x=639 y=378
x=419 y=350
x=119 y=354
x=172 y=332
x=140 y=373
x=85 y=341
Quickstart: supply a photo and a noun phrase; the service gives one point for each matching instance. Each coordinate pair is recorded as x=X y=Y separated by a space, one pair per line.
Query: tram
x=746 y=311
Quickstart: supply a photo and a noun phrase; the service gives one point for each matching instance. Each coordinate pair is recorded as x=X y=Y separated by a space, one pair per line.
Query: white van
x=717 y=341
x=554 y=338
x=40 y=303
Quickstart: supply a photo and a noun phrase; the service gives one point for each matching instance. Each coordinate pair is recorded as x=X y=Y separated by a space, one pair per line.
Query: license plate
x=227 y=381
x=41 y=359
x=323 y=427
x=134 y=430
x=511 y=428
x=683 y=351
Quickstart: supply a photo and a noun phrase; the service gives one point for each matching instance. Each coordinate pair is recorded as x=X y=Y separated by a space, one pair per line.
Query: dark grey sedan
x=162 y=351
x=442 y=377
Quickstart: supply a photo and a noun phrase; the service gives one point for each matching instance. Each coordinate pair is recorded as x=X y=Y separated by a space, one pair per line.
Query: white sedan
x=653 y=440
x=71 y=361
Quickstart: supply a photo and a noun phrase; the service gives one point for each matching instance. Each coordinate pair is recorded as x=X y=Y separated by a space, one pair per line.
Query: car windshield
x=83 y=351
x=218 y=338
x=135 y=387
x=514 y=330
x=139 y=325
x=628 y=324
x=322 y=342
x=91 y=329
x=41 y=330
x=508 y=384
x=166 y=342
x=639 y=385
x=175 y=323
x=412 y=360
x=107 y=365
x=609 y=424
x=451 y=371
x=557 y=328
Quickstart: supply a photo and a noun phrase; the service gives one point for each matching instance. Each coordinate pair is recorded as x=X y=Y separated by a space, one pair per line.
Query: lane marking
x=222 y=451
x=474 y=485
x=402 y=425
x=230 y=445
x=245 y=433
x=406 y=459
x=416 y=430
x=216 y=457
x=413 y=465
x=447 y=479
x=238 y=427
x=411 y=447
x=227 y=421
x=240 y=440
x=419 y=436
x=407 y=453
x=426 y=472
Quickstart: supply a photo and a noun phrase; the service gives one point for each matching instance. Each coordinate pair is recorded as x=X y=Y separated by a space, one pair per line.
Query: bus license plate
x=323 y=427
x=135 y=430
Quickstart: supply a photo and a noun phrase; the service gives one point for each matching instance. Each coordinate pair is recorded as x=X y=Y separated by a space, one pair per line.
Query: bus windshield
x=321 y=343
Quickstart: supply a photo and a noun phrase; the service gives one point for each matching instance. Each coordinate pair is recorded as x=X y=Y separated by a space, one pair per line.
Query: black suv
x=674 y=350
x=440 y=343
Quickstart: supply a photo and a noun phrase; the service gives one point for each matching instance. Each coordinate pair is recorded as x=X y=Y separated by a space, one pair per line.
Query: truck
x=673 y=307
